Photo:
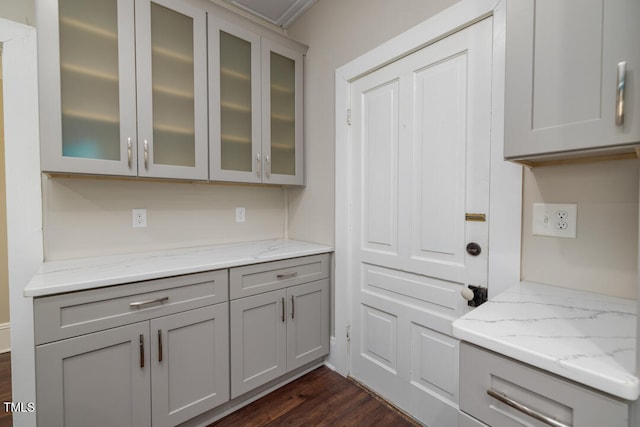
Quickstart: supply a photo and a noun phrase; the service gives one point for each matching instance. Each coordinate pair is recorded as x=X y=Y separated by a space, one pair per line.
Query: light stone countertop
x=86 y=273
x=582 y=336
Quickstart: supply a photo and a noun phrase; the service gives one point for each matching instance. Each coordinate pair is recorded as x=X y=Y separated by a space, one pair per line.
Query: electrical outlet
x=555 y=219
x=139 y=218
x=240 y=215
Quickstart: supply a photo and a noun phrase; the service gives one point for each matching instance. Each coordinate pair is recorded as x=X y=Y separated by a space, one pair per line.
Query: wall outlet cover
x=139 y=218
x=555 y=220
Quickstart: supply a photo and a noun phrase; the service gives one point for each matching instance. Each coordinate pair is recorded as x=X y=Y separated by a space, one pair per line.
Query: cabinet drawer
x=546 y=394
x=77 y=313
x=259 y=278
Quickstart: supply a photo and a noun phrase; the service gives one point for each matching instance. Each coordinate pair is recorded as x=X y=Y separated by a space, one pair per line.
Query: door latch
x=475 y=295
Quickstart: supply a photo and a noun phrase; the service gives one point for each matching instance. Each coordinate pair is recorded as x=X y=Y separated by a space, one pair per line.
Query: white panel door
x=421 y=146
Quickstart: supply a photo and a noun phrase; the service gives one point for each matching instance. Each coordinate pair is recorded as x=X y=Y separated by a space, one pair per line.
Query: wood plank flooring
x=320 y=398
x=5 y=389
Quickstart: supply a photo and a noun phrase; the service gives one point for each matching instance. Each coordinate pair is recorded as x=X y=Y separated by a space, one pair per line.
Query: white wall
x=91 y=217
x=604 y=256
x=337 y=31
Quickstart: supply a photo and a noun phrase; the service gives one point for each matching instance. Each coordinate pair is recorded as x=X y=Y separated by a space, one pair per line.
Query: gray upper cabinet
x=572 y=71
x=256 y=98
x=123 y=95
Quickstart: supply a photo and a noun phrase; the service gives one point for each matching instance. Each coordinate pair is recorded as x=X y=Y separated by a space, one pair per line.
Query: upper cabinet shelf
x=571 y=73
x=124 y=92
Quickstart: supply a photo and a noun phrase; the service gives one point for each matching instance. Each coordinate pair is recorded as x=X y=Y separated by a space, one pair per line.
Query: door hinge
x=348 y=332
x=349 y=117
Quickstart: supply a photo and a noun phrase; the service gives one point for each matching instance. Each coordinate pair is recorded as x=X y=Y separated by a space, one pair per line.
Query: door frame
x=24 y=200
x=505 y=204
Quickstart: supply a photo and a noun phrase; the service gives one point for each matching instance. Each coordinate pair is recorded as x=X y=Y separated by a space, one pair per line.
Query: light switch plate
x=555 y=219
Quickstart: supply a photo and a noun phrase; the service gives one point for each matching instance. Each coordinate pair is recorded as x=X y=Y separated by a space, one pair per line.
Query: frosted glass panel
x=235 y=103
x=283 y=135
x=89 y=79
x=173 y=87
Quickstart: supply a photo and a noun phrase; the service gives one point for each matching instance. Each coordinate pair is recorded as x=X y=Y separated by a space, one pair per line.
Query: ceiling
x=278 y=12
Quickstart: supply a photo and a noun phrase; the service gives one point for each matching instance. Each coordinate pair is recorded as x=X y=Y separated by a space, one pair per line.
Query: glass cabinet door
x=234 y=85
x=282 y=115
x=172 y=98
x=88 y=109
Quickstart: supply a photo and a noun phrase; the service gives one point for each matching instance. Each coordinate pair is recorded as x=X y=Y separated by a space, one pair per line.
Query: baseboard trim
x=5 y=337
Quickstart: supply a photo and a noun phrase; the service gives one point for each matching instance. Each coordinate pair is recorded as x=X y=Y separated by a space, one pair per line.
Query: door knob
x=474 y=249
x=475 y=295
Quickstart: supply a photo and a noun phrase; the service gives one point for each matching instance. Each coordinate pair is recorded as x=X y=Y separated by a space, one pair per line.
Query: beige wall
x=22 y=11
x=87 y=217
x=604 y=256
x=4 y=277
x=337 y=32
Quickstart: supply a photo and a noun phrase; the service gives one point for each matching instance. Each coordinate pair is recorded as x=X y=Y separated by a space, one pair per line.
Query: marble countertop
x=85 y=273
x=585 y=337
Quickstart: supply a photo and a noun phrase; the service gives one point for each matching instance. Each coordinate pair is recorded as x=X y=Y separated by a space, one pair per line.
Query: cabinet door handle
x=293 y=307
x=146 y=154
x=525 y=410
x=129 y=152
x=159 y=345
x=268 y=166
x=258 y=166
x=283 y=310
x=286 y=275
x=622 y=77
x=139 y=304
x=141 y=351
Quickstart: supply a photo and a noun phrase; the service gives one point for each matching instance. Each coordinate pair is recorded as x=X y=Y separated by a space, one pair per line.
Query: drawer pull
x=525 y=410
x=139 y=304
x=622 y=76
x=287 y=275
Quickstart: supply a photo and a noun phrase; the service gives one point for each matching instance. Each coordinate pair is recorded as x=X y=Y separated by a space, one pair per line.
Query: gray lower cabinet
x=95 y=379
x=276 y=332
x=499 y=391
x=189 y=364
x=169 y=364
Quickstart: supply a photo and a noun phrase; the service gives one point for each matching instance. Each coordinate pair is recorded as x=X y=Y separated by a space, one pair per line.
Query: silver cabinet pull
x=283 y=310
x=258 y=166
x=268 y=166
x=622 y=77
x=139 y=304
x=525 y=410
x=141 y=351
x=293 y=307
x=159 y=345
x=129 y=152
x=286 y=275
x=146 y=154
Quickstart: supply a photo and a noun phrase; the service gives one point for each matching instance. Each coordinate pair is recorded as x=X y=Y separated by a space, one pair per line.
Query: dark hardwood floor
x=320 y=398
x=5 y=388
